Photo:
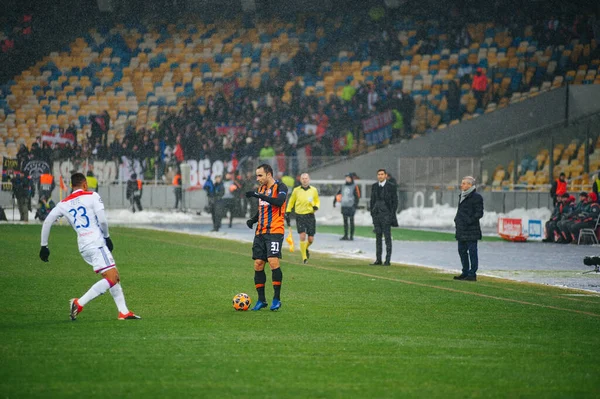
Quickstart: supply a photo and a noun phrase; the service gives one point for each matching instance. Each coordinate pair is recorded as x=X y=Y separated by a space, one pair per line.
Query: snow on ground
x=126 y=217
x=552 y=264
x=440 y=217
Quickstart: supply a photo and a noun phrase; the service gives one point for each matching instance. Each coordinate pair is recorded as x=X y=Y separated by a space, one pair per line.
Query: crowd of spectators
x=245 y=123
x=248 y=125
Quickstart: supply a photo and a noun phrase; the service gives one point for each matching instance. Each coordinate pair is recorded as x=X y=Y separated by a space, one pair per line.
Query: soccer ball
x=241 y=302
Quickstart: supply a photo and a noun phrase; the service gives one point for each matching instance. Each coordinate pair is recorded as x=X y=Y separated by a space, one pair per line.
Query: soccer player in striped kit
x=84 y=211
x=268 y=238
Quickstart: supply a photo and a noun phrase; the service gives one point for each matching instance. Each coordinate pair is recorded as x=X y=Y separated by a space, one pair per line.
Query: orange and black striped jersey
x=270 y=217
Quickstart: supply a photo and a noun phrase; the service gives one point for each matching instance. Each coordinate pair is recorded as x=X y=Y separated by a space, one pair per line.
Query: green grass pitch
x=345 y=330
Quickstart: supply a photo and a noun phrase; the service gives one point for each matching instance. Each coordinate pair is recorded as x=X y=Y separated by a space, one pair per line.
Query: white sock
x=117 y=293
x=97 y=289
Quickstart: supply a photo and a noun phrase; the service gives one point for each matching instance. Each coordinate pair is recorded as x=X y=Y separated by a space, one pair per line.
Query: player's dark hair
x=381 y=170
x=77 y=179
x=267 y=168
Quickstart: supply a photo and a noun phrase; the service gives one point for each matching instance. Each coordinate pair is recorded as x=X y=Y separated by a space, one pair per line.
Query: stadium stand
x=271 y=77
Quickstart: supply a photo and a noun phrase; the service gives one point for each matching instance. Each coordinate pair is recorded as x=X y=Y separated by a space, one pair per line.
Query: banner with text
x=9 y=167
x=378 y=128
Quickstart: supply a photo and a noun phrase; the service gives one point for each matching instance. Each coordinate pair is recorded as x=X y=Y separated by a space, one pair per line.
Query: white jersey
x=85 y=212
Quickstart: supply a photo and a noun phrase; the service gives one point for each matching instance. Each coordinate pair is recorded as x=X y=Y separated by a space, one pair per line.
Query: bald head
x=305 y=180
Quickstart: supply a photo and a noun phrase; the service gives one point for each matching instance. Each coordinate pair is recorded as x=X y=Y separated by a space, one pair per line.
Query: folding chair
x=590 y=232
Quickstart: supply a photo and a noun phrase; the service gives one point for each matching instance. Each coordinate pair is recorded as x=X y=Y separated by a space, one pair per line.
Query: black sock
x=259 y=282
x=277 y=276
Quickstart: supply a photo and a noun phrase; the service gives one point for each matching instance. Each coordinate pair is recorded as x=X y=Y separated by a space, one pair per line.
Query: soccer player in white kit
x=85 y=212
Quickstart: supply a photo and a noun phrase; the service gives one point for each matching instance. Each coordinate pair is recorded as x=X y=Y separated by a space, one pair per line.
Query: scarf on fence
x=465 y=194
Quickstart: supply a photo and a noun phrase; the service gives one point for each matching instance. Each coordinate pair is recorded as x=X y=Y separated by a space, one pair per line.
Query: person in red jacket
x=559 y=187
x=479 y=86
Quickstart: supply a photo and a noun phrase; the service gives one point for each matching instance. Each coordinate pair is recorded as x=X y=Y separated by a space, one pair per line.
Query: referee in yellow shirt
x=305 y=200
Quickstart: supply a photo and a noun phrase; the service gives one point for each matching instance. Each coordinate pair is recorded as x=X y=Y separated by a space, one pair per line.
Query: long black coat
x=467 y=218
x=390 y=198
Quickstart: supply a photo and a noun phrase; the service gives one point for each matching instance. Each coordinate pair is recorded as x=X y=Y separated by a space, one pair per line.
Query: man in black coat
x=468 y=231
x=383 y=205
x=133 y=192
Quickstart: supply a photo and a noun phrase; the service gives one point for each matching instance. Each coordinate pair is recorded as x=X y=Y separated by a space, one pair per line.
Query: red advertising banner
x=511 y=229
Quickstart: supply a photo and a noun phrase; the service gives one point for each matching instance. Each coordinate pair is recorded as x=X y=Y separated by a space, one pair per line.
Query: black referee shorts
x=306 y=224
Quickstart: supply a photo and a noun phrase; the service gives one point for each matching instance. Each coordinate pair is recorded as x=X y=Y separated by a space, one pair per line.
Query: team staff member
x=46 y=185
x=558 y=188
x=468 y=230
x=348 y=195
x=134 y=192
x=178 y=189
x=305 y=201
x=268 y=238
x=383 y=205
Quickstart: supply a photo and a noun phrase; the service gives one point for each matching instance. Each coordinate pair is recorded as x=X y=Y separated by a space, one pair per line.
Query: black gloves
x=288 y=220
x=254 y=194
x=44 y=253
x=249 y=223
x=315 y=208
x=109 y=243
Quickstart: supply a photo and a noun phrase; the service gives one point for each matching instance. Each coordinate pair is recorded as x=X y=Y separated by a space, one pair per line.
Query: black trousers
x=216 y=210
x=229 y=205
x=383 y=228
x=551 y=228
x=135 y=200
x=178 y=197
x=467 y=250
x=348 y=214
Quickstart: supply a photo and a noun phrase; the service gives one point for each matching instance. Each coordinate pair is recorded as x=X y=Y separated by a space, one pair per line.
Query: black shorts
x=267 y=246
x=306 y=224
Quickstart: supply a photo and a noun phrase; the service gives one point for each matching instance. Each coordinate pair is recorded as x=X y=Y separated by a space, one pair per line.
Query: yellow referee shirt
x=303 y=199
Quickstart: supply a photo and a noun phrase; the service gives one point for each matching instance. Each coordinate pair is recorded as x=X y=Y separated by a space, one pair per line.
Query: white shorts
x=99 y=258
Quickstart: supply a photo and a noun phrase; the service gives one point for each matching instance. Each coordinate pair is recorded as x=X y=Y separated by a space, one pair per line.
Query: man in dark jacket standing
x=215 y=202
x=468 y=231
x=134 y=192
x=23 y=190
x=383 y=205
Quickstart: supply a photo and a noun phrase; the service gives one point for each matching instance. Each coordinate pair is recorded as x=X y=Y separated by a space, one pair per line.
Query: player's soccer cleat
x=276 y=304
x=259 y=305
x=128 y=316
x=307 y=254
x=75 y=308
